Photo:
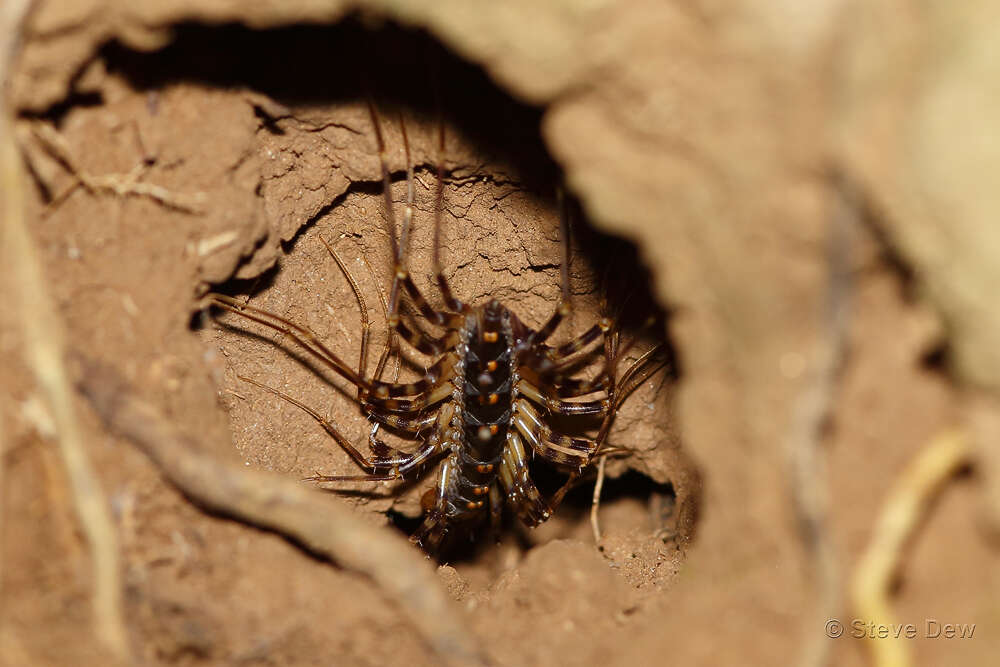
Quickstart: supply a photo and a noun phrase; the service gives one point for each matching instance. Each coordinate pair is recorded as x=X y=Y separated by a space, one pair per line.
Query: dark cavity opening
x=408 y=70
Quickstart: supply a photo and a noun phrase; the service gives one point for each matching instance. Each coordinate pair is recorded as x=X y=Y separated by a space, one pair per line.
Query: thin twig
x=907 y=505
x=284 y=506
x=812 y=411
x=42 y=336
x=119 y=185
x=595 y=501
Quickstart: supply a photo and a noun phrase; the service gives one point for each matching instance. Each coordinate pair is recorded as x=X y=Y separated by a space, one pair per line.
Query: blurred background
x=808 y=188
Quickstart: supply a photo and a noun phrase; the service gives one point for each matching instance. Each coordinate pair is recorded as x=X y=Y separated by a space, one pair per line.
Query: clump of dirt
x=243 y=169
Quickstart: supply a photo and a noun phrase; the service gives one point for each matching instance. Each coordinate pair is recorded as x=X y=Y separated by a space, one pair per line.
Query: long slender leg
x=435 y=523
x=450 y=301
x=304 y=337
x=365 y=323
x=423 y=343
x=414 y=425
x=564 y=307
x=572 y=387
x=640 y=371
x=395 y=466
x=522 y=493
x=549 y=361
x=431 y=378
x=595 y=502
x=405 y=405
x=594 y=407
x=637 y=373
x=390 y=341
x=401 y=275
x=375 y=396
x=554 y=447
x=431 y=375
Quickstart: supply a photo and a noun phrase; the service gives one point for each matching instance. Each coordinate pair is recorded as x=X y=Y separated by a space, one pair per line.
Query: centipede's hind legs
x=431 y=532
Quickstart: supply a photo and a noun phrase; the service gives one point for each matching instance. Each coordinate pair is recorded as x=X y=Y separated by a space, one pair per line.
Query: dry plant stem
x=119 y=185
x=595 y=504
x=42 y=336
x=907 y=504
x=812 y=410
x=311 y=518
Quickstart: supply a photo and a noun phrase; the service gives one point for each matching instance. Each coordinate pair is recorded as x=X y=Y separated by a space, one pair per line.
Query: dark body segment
x=484 y=395
x=487 y=386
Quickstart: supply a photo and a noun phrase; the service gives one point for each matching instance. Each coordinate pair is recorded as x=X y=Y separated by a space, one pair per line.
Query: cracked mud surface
x=273 y=168
x=172 y=151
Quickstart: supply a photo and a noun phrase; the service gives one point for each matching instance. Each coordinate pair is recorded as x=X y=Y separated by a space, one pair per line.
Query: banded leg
x=422 y=342
x=450 y=301
x=636 y=374
x=554 y=360
x=554 y=447
x=310 y=342
x=365 y=323
x=594 y=407
x=430 y=379
x=435 y=524
x=522 y=493
x=401 y=274
x=304 y=337
x=398 y=465
x=573 y=388
x=390 y=342
x=441 y=369
x=564 y=307
x=440 y=393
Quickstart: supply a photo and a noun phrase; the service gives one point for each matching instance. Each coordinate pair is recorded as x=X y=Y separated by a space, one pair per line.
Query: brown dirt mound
x=827 y=285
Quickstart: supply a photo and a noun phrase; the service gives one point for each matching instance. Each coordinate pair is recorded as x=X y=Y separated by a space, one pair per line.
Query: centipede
x=483 y=411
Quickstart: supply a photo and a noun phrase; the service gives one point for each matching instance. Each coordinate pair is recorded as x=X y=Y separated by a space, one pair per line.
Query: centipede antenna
x=564 y=231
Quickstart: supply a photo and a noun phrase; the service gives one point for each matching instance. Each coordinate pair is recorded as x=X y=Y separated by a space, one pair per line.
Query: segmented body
x=483 y=406
x=479 y=430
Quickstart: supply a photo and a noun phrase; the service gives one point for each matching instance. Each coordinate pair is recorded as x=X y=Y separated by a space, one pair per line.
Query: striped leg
x=304 y=337
x=422 y=342
x=594 y=407
x=564 y=307
x=450 y=301
x=381 y=467
x=573 y=388
x=554 y=447
x=637 y=373
x=435 y=504
x=441 y=369
x=555 y=360
x=365 y=323
x=371 y=394
x=441 y=392
x=522 y=493
x=401 y=275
